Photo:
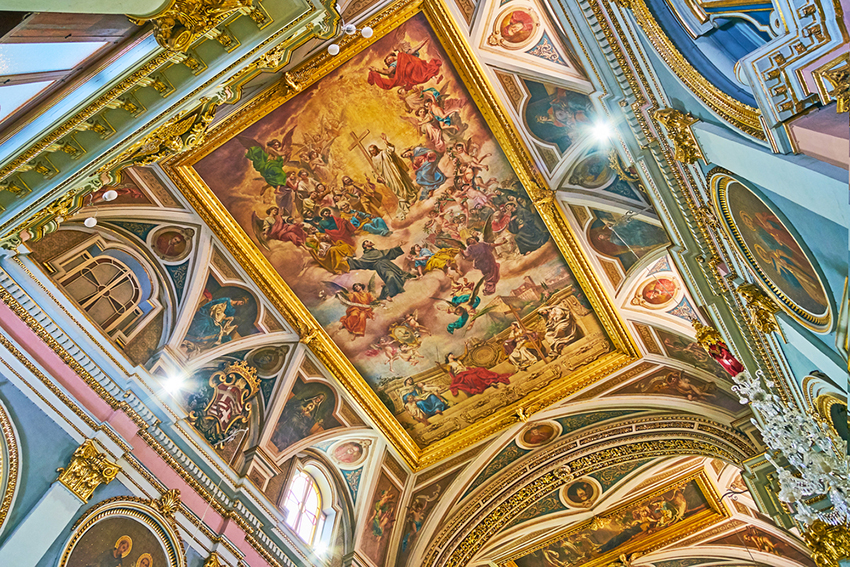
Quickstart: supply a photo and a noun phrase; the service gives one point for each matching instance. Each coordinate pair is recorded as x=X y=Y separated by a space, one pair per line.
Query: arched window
x=107 y=290
x=303 y=507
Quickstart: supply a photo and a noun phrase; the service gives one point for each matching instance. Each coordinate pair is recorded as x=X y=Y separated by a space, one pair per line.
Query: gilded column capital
x=88 y=469
x=168 y=503
x=829 y=544
x=762 y=308
x=213 y=560
x=685 y=146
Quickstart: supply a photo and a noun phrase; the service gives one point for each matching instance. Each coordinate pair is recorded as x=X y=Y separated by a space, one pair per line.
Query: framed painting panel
x=645 y=523
x=773 y=252
x=389 y=210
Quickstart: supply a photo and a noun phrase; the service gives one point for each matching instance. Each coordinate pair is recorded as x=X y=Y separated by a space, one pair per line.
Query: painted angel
x=360 y=305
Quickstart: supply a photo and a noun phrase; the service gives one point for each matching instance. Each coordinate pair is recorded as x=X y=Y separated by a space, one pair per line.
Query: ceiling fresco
x=413 y=267
x=412 y=239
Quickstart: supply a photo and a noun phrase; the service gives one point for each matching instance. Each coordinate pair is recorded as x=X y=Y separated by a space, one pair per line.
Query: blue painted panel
x=44 y=447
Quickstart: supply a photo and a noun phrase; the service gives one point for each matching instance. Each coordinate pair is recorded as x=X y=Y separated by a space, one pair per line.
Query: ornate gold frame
x=718 y=179
x=180 y=170
x=716 y=511
x=10 y=468
x=156 y=515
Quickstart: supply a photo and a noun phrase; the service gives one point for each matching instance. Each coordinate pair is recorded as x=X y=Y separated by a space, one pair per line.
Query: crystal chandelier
x=820 y=458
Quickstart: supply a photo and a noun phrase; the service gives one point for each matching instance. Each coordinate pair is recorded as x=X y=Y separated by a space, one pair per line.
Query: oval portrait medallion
x=773 y=252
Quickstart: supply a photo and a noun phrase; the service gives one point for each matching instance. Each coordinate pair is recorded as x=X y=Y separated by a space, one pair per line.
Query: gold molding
x=88 y=469
x=184 y=21
x=157 y=515
x=11 y=468
x=829 y=544
x=716 y=512
x=202 y=199
x=742 y=116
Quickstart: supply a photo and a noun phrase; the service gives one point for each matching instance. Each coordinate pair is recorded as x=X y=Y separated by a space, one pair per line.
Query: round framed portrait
x=172 y=243
x=538 y=434
x=515 y=28
x=592 y=172
x=350 y=453
x=123 y=532
x=581 y=493
x=658 y=292
x=773 y=252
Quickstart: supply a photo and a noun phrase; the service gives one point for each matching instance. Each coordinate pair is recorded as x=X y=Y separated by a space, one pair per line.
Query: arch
x=497 y=503
x=129 y=520
x=335 y=503
x=10 y=469
x=116 y=284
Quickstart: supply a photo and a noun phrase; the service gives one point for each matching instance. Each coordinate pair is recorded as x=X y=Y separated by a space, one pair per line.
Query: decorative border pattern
x=719 y=180
x=271 y=284
x=10 y=459
x=130 y=507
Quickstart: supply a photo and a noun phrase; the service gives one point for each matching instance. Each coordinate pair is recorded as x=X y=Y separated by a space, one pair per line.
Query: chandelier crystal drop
x=818 y=457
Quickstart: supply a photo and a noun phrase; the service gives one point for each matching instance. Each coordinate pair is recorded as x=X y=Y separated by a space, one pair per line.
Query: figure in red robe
x=336 y=228
x=404 y=70
x=472 y=380
x=721 y=354
x=359 y=303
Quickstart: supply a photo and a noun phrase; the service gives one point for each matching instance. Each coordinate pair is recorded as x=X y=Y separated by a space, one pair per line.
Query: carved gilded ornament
x=685 y=146
x=168 y=503
x=187 y=20
x=829 y=544
x=88 y=469
x=183 y=132
x=762 y=309
x=213 y=560
x=840 y=78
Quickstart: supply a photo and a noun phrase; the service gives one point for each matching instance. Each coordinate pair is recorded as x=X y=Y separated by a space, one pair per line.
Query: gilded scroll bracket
x=678 y=125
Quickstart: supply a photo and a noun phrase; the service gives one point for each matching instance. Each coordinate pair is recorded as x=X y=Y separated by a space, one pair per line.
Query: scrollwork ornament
x=88 y=469
x=168 y=503
x=178 y=27
x=840 y=78
x=685 y=146
x=829 y=544
x=762 y=309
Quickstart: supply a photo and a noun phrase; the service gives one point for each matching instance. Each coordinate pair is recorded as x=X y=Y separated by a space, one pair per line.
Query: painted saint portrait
x=309 y=409
x=539 y=434
x=383 y=511
x=348 y=453
x=421 y=505
x=609 y=533
x=678 y=384
x=558 y=116
x=172 y=244
x=774 y=250
x=516 y=27
x=592 y=172
x=118 y=542
x=690 y=352
x=581 y=494
x=382 y=198
x=624 y=238
x=657 y=292
x=224 y=314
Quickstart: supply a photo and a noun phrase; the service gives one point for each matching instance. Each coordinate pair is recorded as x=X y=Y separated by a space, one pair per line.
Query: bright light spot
x=333 y=49
x=366 y=32
x=90 y=222
x=602 y=131
x=320 y=549
x=349 y=29
x=110 y=195
x=173 y=384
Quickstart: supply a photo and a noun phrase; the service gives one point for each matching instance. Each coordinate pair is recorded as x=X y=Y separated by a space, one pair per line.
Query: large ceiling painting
x=391 y=198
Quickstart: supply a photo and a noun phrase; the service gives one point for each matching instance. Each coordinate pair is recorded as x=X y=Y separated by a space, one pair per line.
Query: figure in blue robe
x=426 y=163
x=210 y=325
